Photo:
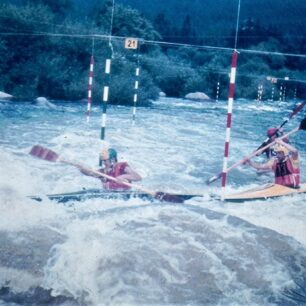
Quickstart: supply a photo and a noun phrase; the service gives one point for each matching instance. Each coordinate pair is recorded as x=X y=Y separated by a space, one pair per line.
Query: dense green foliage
x=57 y=66
x=212 y=21
x=47 y=47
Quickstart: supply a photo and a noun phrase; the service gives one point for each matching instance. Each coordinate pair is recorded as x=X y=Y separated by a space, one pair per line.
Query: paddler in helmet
x=119 y=170
x=285 y=164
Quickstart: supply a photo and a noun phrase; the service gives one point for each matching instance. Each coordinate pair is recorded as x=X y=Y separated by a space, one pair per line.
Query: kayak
x=267 y=191
x=102 y=194
x=86 y=194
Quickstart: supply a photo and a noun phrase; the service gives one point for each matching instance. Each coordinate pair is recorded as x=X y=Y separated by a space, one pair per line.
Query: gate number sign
x=131 y=43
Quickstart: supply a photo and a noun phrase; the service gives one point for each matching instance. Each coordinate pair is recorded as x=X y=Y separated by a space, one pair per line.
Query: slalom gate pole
x=90 y=80
x=259 y=92
x=229 y=121
x=218 y=91
x=281 y=93
x=272 y=93
x=135 y=97
x=105 y=100
x=107 y=72
x=105 y=96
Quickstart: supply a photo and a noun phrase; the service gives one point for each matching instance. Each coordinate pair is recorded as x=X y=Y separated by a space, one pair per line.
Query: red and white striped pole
x=90 y=81
x=229 y=120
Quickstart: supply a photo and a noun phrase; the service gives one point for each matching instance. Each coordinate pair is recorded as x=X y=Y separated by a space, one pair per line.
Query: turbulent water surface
x=139 y=252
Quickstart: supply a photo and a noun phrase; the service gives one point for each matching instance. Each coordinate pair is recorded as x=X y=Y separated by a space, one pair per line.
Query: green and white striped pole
x=135 y=97
x=108 y=63
x=107 y=71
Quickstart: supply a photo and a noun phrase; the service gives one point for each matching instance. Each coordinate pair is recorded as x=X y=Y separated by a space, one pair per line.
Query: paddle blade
x=298 y=108
x=172 y=198
x=44 y=153
x=303 y=124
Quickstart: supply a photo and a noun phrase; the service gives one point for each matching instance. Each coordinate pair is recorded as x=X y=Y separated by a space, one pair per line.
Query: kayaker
x=285 y=165
x=119 y=170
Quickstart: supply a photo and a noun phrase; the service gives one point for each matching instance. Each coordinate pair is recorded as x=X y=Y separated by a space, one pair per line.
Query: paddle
x=49 y=155
x=302 y=126
x=294 y=112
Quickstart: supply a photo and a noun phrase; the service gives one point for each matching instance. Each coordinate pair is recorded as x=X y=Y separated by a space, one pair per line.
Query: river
x=139 y=252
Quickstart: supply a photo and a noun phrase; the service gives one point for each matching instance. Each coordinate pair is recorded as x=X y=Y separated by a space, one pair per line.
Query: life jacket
x=116 y=171
x=287 y=172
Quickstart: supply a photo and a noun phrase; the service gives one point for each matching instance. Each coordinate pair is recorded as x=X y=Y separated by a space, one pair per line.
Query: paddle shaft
x=214 y=178
x=294 y=112
x=261 y=150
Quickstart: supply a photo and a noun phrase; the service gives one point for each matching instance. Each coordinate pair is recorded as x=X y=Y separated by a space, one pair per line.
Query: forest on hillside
x=45 y=49
x=213 y=21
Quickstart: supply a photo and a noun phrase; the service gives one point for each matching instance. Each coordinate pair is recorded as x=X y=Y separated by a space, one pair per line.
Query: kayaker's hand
x=246 y=162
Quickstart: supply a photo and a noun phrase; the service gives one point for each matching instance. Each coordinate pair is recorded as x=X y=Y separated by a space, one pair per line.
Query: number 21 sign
x=131 y=43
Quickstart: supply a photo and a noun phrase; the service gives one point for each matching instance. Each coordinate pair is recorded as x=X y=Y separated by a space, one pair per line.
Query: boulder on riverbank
x=5 y=96
x=198 y=96
x=42 y=101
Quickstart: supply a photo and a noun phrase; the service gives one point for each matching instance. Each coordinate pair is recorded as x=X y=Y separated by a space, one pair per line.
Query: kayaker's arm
x=129 y=175
x=257 y=166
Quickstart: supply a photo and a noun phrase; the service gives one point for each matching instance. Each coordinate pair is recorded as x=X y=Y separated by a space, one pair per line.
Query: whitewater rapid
x=135 y=252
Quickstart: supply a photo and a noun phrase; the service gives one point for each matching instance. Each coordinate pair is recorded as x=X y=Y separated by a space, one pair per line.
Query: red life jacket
x=116 y=171
x=286 y=173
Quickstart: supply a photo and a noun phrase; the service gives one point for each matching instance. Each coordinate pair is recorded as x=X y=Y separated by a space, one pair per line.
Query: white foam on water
x=135 y=252
x=286 y=215
x=19 y=280
x=147 y=254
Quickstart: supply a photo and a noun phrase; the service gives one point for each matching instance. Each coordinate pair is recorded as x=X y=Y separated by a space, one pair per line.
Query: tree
x=58 y=7
x=162 y=26
x=126 y=21
x=272 y=45
x=187 y=32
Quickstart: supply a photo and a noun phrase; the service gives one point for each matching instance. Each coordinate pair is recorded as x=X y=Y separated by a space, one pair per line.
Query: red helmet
x=272 y=131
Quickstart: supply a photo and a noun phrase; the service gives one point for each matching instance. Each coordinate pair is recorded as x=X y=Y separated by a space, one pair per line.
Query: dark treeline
x=45 y=48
